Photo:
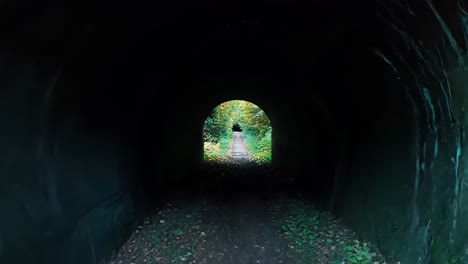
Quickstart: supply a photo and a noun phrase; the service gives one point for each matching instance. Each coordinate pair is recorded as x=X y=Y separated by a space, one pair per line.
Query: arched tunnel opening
x=237 y=149
x=367 y=103
x=237 y=131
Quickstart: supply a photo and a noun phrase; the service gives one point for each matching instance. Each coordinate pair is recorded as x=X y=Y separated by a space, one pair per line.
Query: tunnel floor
x=244 y=229
x=230 y=219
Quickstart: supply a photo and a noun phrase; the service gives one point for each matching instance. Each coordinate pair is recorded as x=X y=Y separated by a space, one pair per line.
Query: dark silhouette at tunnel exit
x=236 y=128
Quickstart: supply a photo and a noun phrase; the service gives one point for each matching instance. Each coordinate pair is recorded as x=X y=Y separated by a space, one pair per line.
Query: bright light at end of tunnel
x=237 y=131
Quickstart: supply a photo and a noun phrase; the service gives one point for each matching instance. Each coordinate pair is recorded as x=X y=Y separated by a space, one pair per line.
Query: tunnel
x=367 y=100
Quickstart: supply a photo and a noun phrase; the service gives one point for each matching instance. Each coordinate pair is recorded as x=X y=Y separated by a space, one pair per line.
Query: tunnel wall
x=407 y=184
x=68 y=192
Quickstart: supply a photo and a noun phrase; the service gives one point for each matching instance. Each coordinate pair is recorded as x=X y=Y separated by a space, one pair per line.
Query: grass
x=260 y=148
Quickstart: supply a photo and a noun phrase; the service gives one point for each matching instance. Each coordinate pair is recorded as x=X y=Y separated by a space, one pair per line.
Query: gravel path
x=238 y=151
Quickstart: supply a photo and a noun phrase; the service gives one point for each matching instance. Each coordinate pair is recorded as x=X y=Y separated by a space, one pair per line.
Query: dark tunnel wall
x=141 y=81
x=405 y=187
x=66 y=185
x=67 y=195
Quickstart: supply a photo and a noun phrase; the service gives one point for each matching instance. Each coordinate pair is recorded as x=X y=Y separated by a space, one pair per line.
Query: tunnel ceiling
x=319 y=45
x=204 y=40
x=254 y=49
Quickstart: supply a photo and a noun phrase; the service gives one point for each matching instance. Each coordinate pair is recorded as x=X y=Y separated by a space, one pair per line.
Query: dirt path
x=254 y=237
x=238 y=150
x=233 y=217
x=244 y=229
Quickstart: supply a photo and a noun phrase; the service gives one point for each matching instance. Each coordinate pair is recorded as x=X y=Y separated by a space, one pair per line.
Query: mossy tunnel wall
x=367 y=104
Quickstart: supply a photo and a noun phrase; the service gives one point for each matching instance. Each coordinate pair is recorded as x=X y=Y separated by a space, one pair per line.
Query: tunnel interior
x=368 y=103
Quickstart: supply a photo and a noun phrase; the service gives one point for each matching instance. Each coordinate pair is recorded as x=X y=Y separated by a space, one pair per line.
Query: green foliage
x=213 y=150
x=359 y=253
x=217 y=132
x=309 y=229
x=259 y=145
x=298 y=226
x=262 y=150
x=180 y=254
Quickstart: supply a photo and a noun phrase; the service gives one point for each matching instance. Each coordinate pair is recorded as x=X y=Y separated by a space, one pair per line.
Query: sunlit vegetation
x=237 y=115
